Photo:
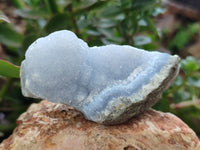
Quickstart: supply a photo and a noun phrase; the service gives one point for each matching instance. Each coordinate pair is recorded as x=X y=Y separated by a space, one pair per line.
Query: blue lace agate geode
x=108 y=84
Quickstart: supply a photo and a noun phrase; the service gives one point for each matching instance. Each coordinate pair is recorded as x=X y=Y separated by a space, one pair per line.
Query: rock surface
x=58 y=127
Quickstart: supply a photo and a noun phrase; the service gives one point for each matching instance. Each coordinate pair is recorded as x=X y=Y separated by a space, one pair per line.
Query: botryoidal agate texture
x=108 y=84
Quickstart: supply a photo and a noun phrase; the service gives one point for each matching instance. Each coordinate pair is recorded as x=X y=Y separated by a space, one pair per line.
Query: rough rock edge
x=56 y=126
x=123 y=114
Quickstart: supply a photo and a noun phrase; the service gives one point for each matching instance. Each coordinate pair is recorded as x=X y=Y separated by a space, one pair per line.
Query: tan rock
x=58 y=127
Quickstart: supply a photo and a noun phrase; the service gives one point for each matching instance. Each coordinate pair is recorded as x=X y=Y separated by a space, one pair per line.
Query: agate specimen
x=108 y=84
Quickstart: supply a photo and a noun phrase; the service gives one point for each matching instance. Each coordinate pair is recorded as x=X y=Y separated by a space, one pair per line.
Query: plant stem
x=184 y=104
x=53 y=6
x=48 y=6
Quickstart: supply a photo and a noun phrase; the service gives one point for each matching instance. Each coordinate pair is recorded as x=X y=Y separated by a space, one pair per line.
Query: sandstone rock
x=58 y=127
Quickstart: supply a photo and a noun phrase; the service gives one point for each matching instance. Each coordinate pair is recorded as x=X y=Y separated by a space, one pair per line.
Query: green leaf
x=108 y=33
x=181 y=38
x=163 y=105
x=9 y=36
x=158 y=10
x=93 y=32
x=142 y=40
x=151 y=25
x=31 y=14
x=62 y=4
x=181 y=95
x=85 y=4
x=194 y=28
x=125 y=4
x=28 y=40
x=178 y=81
x=53 y=6
x=143 y=4
x=33 y=3
x=110 y=11
x=58 y=22
x=107 y=23
x=3 y=18
x=193 y=82
x=184 y=36
x=9 y=70
x=18 y=3
x=189 y=65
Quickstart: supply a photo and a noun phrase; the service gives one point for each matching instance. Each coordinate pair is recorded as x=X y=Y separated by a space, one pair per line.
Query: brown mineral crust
x=58 y=127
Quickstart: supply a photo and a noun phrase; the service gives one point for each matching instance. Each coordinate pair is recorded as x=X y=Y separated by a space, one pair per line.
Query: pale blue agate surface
x=62 y=68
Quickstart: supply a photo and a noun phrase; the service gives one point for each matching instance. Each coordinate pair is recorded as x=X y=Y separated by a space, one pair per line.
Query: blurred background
x=170 y=26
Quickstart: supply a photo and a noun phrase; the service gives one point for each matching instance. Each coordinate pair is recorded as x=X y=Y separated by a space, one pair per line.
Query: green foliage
x=190 y=65
x=187 y=85
x=184 y=94
x=184 y=36
x=113 y=21
x=3 y=18
x=8 y=69
x=9 y=36
x=31 y=14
